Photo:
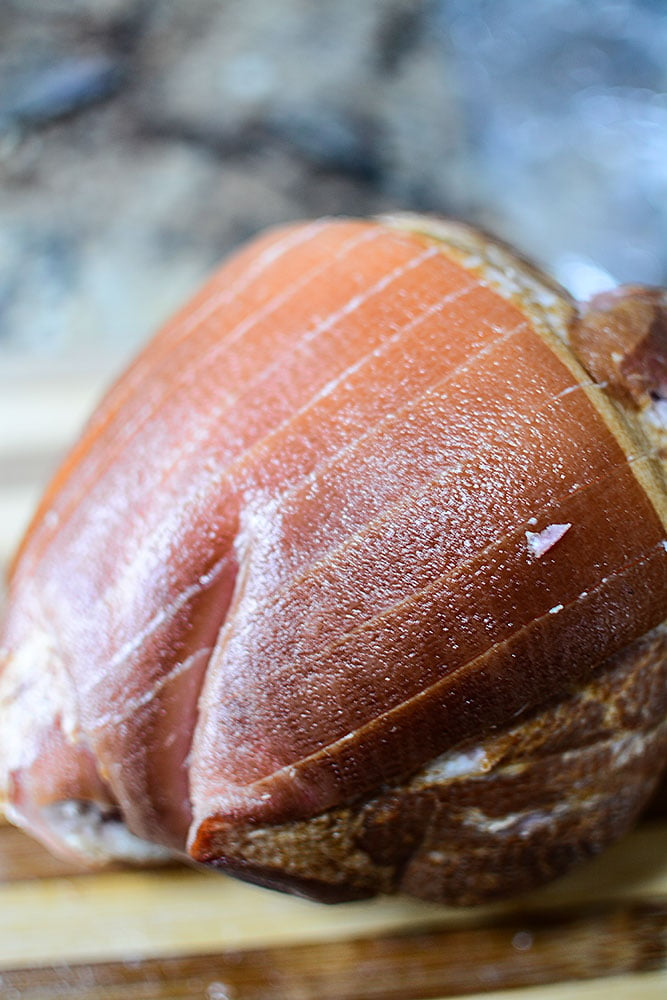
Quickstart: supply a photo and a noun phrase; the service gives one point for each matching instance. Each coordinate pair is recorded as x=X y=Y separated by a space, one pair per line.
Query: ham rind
x=290 y=559
x=402 y=560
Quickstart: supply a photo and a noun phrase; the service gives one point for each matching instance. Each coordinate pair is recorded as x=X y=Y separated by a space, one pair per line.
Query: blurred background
x=140 y=140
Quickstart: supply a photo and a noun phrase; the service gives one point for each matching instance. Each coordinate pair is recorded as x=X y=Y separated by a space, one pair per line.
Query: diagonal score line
x=218 y=298
x=290 y=241
x=353 y=369
x=248 y=322
x=165 y=615
x=133 y=705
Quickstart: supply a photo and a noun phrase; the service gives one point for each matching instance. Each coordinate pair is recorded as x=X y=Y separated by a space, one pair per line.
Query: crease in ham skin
x=116 y=717
x=154 y=793
x=167 y=614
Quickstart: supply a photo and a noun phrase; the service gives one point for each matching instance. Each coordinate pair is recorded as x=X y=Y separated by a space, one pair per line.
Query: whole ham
x=356 y=579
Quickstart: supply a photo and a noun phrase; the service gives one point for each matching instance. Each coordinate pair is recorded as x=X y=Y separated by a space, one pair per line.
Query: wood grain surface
x=174 y=932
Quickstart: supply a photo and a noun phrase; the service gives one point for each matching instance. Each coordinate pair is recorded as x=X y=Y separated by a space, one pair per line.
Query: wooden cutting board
x=174 y=932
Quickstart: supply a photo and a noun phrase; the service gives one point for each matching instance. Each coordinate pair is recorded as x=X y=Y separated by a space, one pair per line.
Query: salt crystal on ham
x=540 y=542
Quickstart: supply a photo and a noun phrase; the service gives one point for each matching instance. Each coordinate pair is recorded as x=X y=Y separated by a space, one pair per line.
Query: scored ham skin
x=289 y=561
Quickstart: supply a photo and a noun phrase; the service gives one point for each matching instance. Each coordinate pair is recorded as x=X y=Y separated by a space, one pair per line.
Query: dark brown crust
x=546 y=793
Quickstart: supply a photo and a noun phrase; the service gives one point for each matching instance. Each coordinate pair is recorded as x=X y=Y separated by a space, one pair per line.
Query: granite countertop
x=140 y=140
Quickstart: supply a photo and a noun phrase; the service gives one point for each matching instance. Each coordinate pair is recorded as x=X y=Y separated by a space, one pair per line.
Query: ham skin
x=356 y=580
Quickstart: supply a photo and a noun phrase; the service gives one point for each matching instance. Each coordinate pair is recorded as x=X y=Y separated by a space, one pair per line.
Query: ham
x=365 y=500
